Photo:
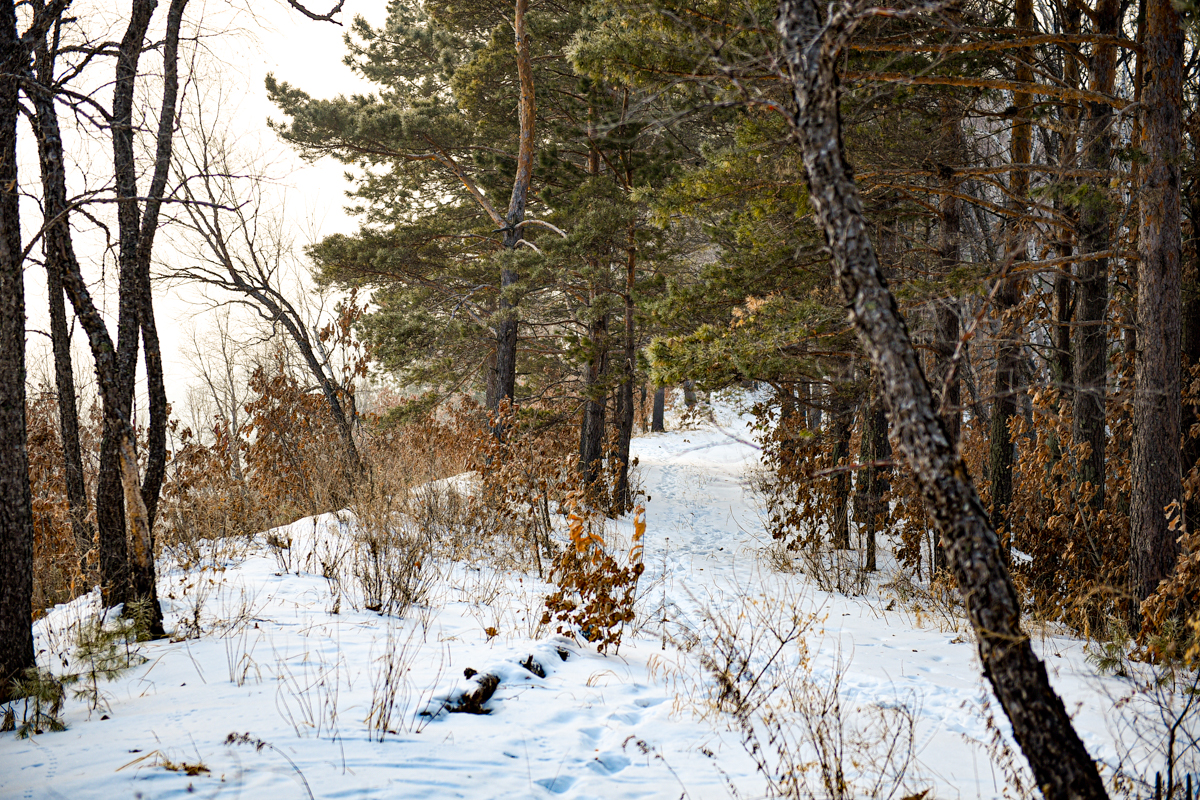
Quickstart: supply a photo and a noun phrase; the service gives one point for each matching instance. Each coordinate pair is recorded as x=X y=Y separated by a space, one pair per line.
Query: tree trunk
x=872 y=483
x=623 y=501
x=156 y=434
x=1060 y=763
x=55 y=250
x=115 y=574
x=103 y=352
x=840 y=429
x=591 y=431
x=946 y=382
x=1156 y=404
x=506 y=327
x=16 y=504
x=1008 y=343
x=660 y=404
x=1004 y=407
x=1062 y=369
x=1190 y=335
x=1091 y=309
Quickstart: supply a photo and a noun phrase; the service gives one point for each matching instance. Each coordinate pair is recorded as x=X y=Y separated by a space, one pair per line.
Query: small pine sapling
x=41 y=695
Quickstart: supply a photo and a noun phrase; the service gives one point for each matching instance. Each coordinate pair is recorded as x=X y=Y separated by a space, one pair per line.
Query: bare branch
x=319 y=17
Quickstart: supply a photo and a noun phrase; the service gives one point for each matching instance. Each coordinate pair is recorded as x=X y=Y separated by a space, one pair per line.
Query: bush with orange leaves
x=798 y=486
x=1076 y=569
x=295 y=463
x=61 y=566
x=596 y=593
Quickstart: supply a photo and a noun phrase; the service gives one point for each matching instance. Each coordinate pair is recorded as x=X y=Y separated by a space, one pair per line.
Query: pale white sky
x=240 y=43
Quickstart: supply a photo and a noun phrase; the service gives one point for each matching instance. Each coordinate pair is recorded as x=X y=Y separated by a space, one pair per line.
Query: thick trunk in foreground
x=1156 y=402
x=16 y=505
x=1060 y=763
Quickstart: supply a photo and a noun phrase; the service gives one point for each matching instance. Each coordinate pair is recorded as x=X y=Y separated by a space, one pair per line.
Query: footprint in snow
x=609 y=763
x=557 y=784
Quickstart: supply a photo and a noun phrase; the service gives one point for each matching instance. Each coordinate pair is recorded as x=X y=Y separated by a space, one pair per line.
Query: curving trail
x=283 y=659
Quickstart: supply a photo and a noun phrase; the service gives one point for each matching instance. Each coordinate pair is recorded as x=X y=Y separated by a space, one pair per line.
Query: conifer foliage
x=951 y=247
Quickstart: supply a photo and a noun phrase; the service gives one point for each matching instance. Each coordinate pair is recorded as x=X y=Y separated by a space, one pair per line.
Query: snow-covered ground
x=296 y=672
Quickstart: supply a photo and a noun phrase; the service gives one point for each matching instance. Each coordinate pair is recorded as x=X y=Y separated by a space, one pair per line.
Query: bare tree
x=215 y=360
x=16 y=508
x=244 y=251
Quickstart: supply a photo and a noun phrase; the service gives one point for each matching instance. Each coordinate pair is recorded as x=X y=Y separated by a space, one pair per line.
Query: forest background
x=563 y=209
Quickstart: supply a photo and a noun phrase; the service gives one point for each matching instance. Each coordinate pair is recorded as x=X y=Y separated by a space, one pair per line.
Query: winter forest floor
x=327 y=697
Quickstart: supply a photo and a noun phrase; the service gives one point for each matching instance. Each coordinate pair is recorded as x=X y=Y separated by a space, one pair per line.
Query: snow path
x=275 y=663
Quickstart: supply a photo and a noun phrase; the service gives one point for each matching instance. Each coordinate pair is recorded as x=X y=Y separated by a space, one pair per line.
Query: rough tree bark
x=1156 y=402
x=872 y=481
x=623 y=501
x=591 y=431
x=506 y=326
x=16 y=509
x=660 y=404
x=842 y=412
x=1091 y=309
x=1042 y=728
x=1008 y=295
x=54 y=227
x=115 y=574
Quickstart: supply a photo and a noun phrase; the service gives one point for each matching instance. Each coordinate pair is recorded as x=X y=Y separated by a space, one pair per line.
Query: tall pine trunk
x=1156 y=478
x=506 y=326
x=1008 y=342
x=595 y=395
x=1091 y=311
x=623 y=501
x=840 y=429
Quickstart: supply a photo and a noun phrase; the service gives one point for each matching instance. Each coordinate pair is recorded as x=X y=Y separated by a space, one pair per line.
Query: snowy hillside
x=277 y=687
